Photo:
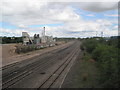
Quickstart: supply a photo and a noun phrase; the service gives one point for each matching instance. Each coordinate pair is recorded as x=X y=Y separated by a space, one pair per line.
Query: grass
x=88 y=75
x=84 y=74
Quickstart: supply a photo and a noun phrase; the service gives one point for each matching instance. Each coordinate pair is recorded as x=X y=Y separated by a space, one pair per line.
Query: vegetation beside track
x=105 y=52
x=98 y=65
x=83 y=74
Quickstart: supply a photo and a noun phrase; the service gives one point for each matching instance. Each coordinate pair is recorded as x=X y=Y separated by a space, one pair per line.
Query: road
x=45 y=71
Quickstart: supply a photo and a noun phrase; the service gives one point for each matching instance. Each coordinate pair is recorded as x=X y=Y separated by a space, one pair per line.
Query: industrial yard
x=9 y=56
x=15 y=52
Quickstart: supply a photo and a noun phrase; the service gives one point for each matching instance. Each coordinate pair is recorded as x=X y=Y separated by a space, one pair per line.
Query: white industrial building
x=26 y=38
x=43 y=40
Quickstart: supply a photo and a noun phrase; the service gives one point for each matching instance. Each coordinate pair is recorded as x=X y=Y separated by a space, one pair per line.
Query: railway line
x=54 y=77
x=60 y=60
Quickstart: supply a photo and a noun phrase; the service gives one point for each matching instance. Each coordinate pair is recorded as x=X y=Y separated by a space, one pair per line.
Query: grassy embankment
x=98 y=67
x=105 y=54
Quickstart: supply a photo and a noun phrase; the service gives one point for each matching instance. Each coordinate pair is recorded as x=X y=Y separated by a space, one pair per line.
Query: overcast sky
x=61 y=19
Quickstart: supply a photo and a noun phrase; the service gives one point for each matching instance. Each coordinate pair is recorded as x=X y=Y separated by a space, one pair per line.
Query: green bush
x=104 y=52
x=106 y=55
x=86 y=56
x=90 y=45
x=82 y=47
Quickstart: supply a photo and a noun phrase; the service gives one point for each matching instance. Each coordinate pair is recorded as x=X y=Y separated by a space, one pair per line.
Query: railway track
x=22 y=75
x=13 y=65
x=54 y=77
x=17 y=75
x=16 y=67
x=24 y=72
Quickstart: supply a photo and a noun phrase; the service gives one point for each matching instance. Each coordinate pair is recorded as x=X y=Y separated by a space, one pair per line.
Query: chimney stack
x=44 y=31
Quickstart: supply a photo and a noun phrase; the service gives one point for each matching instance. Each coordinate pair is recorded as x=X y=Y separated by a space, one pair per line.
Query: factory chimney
x=44 y=31
x=43 y=35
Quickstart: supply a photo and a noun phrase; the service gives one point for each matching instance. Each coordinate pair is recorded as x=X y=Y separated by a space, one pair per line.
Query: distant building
x=26 y=38
x=36 y=39
x=43 y=40
x=49 y=40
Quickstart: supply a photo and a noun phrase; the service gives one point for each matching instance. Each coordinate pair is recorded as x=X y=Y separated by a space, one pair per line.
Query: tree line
x=7 y=40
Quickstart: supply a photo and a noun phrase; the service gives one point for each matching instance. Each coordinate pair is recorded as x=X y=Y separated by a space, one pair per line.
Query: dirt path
x=7 y=59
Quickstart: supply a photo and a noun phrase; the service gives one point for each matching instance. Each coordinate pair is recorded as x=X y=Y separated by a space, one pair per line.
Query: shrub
x=26 y=48
x=86 y=56
x=90 y=45
x=82 y=47
x=106 y=54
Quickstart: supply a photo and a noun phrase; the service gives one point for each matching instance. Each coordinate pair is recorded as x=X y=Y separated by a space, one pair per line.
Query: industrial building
x=26 y=38
x=36 y=39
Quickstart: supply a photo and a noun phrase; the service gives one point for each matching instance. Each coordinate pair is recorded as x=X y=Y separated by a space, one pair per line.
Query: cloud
x=104 y=22
x=91 y=15
x=30 y=12
x=10 y=32
x=112 y=15
x=83 y=29
x=37 y=13
x=97 y=6
x=109 y=33
x=78 y=29
x=22 y=26
x=15 y=32
x=115 y=27
x=23 y=13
